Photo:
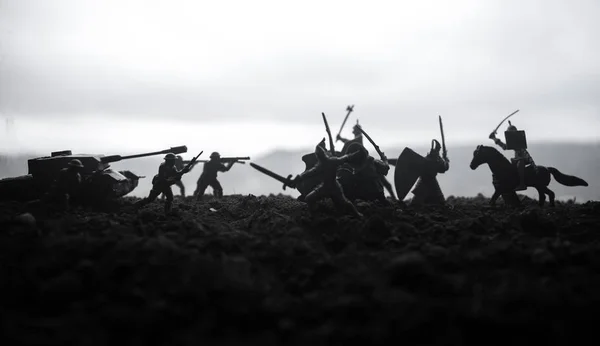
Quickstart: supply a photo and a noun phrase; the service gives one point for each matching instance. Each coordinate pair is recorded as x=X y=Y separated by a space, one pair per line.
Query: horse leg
x=542 y=196
x=550 y=194
x=494 y=198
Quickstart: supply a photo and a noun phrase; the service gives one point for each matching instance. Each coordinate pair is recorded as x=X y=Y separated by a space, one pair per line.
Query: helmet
x=356 y=128
x=215 y=155
x=511 y=127
x=75 y=163
x=170 y=156
x=178 y=157
x=435 y=145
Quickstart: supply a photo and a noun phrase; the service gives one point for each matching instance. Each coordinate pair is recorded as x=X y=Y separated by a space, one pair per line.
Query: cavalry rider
x=522 y=157
x=427 y=190
x=209 y=176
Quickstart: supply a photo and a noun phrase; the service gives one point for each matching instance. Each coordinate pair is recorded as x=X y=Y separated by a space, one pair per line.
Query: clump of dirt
x=261 y=269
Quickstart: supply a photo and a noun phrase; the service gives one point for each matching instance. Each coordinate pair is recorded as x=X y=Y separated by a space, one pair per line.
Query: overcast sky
x=257 y=74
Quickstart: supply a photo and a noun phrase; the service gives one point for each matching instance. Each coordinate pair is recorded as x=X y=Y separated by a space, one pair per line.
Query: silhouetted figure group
x=343 y=176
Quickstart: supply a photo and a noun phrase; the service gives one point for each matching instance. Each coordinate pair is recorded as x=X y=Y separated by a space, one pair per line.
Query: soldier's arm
x=500 y=143
x=381 y=167
x=227 y=167
x=443 y=166
x=342 y=139
x=309 y=173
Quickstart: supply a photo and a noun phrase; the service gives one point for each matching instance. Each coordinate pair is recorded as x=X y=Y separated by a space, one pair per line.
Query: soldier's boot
x=521 y=169
x=218 y=193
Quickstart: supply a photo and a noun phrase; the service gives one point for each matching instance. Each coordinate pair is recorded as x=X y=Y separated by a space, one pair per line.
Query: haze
x=246 y=77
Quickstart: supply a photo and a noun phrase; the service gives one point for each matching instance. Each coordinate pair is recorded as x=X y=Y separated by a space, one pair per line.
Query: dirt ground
x=261 y=270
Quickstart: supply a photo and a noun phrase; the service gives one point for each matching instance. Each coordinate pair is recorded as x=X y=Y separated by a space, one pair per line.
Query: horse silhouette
x=505 y=176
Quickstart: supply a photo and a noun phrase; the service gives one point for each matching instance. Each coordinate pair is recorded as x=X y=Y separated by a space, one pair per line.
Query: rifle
x=185 y=170
x=331 y=148
x=228 y=159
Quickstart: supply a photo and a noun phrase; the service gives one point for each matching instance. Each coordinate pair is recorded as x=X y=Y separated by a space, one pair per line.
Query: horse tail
x=567 y=180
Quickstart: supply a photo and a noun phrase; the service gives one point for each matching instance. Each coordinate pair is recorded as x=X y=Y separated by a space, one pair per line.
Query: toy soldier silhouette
x=209 y=176
x=516 y=140
x=67 y=185
x=168 y=174
x=326 y=168
x=367 y=174
x=358 y=138
x=179 y=165
x=427 y=190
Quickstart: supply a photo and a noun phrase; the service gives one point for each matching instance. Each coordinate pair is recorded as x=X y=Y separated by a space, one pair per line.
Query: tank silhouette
x=99 y=181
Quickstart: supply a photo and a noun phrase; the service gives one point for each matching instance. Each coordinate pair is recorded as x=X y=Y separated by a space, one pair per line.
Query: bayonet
x=444 y=151
x=383 y=157
x=286 y=181
x=502 y=122
x=331 y=148
x=349 y=109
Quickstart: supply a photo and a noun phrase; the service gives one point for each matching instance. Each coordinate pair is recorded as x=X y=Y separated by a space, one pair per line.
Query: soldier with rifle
x=209 y=174
x=168 y=174
x=515 y=140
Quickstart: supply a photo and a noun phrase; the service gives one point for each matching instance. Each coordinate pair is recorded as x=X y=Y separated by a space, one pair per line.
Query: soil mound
x=261 y=270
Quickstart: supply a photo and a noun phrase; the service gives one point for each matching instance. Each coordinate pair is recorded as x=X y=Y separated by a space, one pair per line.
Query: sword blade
x=502 y=122
x=443 y=137
x=372 y=142
x=271 y=174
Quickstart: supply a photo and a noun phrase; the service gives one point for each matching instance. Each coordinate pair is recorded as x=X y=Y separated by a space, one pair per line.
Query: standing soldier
x=209 y=176
x=67 y=186
x=428 y=189
x=167 y=175
x=521 y=159
x=326 y=167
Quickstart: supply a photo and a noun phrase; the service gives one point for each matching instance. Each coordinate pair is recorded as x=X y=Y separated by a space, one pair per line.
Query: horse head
x=479 y=157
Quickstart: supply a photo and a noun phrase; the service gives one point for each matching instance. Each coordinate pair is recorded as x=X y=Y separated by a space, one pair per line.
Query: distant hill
x=582 y=160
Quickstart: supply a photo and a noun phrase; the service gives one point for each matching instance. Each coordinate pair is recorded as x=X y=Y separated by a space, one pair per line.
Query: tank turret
x=100 y=182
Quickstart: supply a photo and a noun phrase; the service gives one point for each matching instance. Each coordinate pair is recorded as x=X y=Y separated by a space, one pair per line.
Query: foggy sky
x=401 y=63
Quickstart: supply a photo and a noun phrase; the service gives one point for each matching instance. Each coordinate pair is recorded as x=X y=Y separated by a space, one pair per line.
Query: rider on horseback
x=522 y=158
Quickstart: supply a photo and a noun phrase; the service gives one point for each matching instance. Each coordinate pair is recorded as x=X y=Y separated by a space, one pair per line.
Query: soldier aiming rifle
x=168 y=174
x=209 y=174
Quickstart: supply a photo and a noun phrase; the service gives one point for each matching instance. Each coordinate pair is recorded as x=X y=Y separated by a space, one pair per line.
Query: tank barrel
x=175 y=150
